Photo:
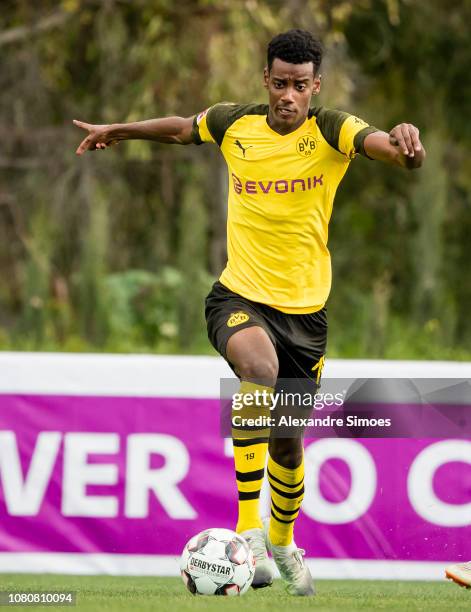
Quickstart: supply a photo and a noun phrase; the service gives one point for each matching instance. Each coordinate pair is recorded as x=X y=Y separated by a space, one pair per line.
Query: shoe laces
x=293 y=564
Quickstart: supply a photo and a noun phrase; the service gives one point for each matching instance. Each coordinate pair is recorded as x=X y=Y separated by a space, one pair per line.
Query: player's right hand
x=98 y=137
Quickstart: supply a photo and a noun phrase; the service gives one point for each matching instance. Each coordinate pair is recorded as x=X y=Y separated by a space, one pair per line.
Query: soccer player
x=460 y=573
x=266 y=314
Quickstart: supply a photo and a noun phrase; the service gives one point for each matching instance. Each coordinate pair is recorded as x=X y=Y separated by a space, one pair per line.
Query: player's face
x=290 y=87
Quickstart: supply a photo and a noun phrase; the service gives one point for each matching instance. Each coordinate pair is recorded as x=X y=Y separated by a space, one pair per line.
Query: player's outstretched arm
x=401 y=147
x=171 y=130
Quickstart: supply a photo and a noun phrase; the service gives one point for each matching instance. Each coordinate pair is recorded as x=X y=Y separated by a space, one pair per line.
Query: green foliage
x=115 y=251
x=151 y=310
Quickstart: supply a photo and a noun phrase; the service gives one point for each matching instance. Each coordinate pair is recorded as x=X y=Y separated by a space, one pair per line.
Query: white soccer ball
x=217 y=562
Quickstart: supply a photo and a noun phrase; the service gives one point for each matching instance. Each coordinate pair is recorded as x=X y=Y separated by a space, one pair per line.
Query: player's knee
x=260 y=370
x=287 y=452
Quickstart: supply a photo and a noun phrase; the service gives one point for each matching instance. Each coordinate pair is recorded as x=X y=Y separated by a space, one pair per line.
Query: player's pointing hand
x=98 y=137
x=406 y=137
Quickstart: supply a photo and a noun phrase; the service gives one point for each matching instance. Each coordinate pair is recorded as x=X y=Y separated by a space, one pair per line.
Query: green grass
x=102 y=593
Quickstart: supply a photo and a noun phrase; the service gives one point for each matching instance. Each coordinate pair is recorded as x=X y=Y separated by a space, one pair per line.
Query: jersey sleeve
x=344 y=132
x=200 y=132
x=211 y=124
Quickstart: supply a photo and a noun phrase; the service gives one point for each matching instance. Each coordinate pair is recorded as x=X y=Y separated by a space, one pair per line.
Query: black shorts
x=299 y=339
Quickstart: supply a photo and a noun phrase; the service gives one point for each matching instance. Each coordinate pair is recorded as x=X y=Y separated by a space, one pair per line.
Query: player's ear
x=316 y=86
x=266 y=75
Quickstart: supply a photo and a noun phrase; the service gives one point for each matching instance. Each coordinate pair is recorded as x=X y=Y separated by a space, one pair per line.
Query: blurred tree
x=115 y=250
x=414 y=58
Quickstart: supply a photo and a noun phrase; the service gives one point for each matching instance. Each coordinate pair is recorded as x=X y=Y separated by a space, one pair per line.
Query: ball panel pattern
x=217 y=562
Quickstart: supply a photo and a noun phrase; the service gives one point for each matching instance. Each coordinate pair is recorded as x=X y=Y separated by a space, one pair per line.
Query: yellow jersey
x=281 y=192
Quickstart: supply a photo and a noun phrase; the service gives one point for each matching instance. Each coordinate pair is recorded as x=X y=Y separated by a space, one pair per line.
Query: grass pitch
x=100 y=593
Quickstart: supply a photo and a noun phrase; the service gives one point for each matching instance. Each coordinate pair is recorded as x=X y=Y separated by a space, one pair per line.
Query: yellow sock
x=287 y=492
x=250 y=451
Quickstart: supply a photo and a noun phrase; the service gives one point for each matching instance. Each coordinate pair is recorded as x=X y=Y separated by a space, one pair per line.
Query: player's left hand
x=406 y=136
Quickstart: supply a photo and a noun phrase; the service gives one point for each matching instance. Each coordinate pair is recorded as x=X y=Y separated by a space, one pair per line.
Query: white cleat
x=460 y=573
x=263 y=566
x=290 y=563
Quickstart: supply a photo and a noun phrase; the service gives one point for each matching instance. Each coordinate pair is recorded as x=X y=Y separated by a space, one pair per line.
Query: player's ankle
x=283 y=548
x=280 y=540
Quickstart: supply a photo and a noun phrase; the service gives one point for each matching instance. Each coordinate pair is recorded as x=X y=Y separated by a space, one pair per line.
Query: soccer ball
x=217 y=562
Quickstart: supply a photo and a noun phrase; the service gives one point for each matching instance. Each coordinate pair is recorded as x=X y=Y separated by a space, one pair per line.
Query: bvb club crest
x=237 y=318
x=305 y=145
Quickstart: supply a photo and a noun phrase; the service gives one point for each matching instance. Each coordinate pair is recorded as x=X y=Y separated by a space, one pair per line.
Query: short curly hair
x=295 y=47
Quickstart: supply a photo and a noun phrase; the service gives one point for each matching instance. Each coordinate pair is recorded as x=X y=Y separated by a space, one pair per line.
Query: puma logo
x=241 y=147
